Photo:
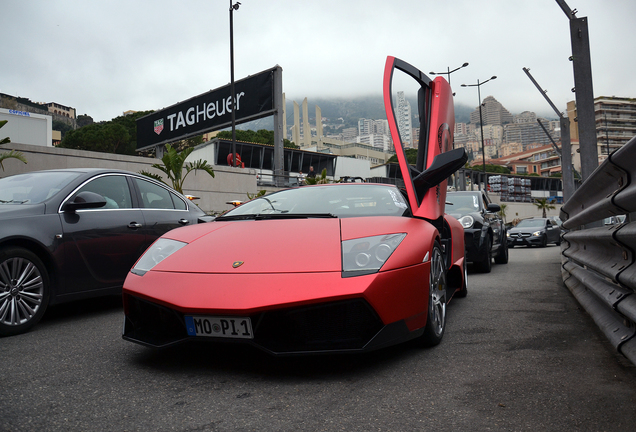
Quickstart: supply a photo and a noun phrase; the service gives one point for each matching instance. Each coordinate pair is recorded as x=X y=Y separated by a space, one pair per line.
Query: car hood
x=258 y=246
x=12 y=211
x=525 y=230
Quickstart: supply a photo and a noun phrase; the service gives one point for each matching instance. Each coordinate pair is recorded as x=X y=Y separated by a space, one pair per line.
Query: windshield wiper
x=294 y=216
x=275 y=216
x=13 y=202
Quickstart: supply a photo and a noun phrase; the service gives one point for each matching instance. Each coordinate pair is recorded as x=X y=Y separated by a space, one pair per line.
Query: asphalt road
x=519 y=354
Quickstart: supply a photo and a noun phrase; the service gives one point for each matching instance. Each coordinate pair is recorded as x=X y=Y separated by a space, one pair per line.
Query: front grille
x=342 y=325
x=153 y=324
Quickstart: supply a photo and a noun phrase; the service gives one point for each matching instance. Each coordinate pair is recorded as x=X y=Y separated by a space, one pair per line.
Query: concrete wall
x=229 y=183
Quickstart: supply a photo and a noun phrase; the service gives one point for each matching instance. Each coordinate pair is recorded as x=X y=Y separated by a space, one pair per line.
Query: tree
x=491 y=168
x=544 y=205
x=502 y=211
x=411 y=157
x=61 y=126
x=116 y=136
x=11 y=154
x=174 y=164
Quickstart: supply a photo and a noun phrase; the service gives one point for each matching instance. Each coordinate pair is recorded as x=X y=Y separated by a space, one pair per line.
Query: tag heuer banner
x=209 y=111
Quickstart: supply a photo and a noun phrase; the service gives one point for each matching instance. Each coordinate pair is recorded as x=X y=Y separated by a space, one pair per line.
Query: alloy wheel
x=21 y=291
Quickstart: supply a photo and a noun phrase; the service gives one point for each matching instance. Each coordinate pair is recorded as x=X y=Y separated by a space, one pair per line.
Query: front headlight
x=507 y=234
x=368 y=254
x=467 y=221
x=536 y=233
x=157 y=252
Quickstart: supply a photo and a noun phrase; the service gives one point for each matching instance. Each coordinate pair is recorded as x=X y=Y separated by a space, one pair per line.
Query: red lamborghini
x=344 y=267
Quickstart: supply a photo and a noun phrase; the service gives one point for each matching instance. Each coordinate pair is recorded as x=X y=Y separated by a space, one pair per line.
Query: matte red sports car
x=342 y=267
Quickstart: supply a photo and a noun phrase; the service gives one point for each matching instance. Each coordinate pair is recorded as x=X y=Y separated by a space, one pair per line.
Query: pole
x=606 y=133
x=481 y=127
x=234 y=161
x=567 y=175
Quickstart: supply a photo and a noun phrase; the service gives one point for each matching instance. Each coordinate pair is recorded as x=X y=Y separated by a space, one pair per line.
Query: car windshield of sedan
x=33 y=188
x=350 y=200
x=462 y=204
x=531 y=223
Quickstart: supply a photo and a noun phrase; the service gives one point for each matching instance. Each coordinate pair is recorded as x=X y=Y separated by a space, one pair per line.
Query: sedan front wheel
x=24 y=290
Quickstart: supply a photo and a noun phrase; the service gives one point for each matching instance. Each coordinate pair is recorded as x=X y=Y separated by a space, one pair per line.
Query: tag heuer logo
x=158 y=126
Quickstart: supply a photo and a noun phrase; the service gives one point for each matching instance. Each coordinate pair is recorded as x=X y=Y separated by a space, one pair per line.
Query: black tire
x=544 y=242
x=463 y=291
x=485 y=266
x=24 y=290
x=436 y=320
x=502 y=253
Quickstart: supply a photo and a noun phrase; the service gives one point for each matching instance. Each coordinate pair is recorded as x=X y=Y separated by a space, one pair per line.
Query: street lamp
x=449 y=72
x=233 y=7
x=481 y=121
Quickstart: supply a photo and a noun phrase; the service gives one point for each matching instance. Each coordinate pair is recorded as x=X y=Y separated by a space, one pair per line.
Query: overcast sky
x=107 y=57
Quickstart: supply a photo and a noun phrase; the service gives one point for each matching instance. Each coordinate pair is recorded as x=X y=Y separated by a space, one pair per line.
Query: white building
x=24 y=127
x=404 y=119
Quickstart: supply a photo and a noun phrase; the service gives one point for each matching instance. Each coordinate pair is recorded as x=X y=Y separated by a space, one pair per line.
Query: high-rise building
x=615 y=122
x=526 y=130
x=404 y=119
x=493 y=113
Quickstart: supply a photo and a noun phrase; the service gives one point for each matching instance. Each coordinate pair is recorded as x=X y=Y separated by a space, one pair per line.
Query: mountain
x=350 y=110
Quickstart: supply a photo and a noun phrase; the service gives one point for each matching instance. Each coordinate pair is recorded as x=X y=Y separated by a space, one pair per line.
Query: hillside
x=348 y=110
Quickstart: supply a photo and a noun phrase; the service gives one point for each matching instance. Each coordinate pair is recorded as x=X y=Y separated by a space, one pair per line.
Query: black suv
x=484 y=230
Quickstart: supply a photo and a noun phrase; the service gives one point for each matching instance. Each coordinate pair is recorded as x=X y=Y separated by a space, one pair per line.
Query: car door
x=495 y=223
x=432 y=107
x=102 y=244
x=552 y=231
x=162 y=209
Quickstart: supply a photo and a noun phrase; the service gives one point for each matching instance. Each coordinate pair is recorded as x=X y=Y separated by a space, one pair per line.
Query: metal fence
x=597 y=259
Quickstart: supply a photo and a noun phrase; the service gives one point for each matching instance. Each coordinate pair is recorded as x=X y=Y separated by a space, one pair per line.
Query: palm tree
x=502 y=211
x=173 y=165
x=545 y=205
x=12 y=154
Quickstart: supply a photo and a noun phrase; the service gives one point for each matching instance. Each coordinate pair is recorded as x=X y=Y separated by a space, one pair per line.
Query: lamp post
x=449 y=72
x=481 y=121
x=233 y=7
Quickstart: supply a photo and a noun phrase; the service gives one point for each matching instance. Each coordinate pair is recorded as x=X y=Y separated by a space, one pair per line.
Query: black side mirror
x=493 y=208
x=443 y=166
x=85 y=200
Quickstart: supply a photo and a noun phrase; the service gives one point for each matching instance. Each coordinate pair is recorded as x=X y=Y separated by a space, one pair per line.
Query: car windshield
x=531 y=223
x=462 y=204
x=33 y=188
x=342 y=200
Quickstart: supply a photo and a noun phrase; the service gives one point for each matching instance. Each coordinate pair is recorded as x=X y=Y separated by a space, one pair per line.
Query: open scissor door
x=427 y=126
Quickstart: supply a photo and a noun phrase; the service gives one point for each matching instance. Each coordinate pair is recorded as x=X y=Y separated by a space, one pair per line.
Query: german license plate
x=223 y=327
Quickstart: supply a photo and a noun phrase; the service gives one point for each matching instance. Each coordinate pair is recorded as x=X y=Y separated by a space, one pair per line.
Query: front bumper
x=335 y=327
x=290 y=313
x=525 y=240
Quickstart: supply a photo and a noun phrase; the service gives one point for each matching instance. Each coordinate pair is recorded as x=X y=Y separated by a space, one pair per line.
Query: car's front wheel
x=502 y=254
x=24 y=290
x=436 y=321
x=485 y=265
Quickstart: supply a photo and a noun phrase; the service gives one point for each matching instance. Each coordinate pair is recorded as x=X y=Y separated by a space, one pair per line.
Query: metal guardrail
x=598 y=261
